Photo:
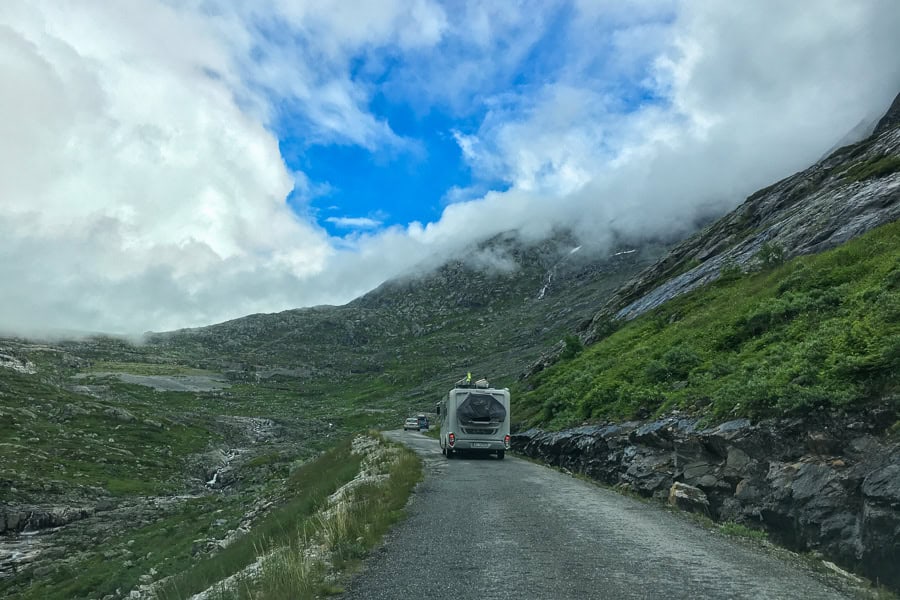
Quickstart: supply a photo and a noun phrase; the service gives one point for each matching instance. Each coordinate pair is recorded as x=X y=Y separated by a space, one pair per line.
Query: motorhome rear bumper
x=463 y=444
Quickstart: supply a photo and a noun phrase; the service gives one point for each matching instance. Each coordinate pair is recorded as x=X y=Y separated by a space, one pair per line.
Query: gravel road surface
x=482 y=528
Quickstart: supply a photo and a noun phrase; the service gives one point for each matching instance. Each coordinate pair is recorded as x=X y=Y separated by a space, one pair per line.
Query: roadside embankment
x=829 y=484
x=305 y=548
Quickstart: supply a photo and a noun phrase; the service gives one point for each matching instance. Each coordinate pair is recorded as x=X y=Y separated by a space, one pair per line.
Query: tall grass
x=343 y=503
x=333 y=542
x=307 y=490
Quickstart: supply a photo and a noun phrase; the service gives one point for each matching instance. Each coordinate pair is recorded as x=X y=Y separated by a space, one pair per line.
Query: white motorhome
x=474 y=417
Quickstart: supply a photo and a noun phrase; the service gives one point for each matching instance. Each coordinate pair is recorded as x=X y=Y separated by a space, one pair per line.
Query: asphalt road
x=482 y=528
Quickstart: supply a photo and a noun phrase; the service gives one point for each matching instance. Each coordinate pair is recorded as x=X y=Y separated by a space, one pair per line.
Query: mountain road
x=483 y=528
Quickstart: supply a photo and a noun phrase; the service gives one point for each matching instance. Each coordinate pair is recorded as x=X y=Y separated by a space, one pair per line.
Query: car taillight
x=451 y=439
x=506 y=441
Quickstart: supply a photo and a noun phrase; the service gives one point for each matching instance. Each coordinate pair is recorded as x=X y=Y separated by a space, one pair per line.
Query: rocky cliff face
x=891 y=118
x=829 y=485
x=846 y=194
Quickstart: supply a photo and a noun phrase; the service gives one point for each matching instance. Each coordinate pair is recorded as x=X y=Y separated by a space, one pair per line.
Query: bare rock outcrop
x=848 y=193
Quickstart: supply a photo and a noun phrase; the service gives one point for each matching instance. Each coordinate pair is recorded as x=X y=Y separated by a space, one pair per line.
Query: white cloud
x=552 y=146
x=123 y=165
x=750 y=93
x=354 y=222
x=485 y=46
x=305 y=49
x=142 y=188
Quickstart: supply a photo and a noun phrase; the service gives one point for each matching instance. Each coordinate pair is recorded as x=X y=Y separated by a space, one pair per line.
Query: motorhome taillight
x=451 y=439
x=506 y=441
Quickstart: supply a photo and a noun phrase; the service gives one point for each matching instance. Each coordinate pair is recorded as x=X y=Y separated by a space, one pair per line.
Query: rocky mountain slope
x=490 y=312
x=851 y=191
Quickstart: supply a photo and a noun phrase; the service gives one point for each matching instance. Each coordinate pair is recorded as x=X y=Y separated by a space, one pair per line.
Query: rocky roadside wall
x=829 y=485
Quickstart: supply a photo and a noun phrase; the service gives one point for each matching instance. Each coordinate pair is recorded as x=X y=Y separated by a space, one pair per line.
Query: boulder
x=689 y=498
x=708 y=481
x=696 y=470
x=11 y=520
x=719 y=438
x=119 y=414
x=649 y=473
x=884 y=484
x=736 y=460
x=746 y=491
x=657 y=434
x=813 y=482
x=822 y=442
x=878 y=552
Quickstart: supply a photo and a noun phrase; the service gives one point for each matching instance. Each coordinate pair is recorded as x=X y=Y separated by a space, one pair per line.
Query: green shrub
x=771 y=254
x=739 y=530
x=730 y=271
x=878 y=166
x=605 y=327
x=573 y=347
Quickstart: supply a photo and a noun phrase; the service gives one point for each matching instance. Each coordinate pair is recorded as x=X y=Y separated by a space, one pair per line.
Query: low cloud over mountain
x=145 y=181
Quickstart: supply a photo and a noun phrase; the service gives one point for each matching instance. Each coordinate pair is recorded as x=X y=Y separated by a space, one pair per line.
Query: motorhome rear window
x=480 y=408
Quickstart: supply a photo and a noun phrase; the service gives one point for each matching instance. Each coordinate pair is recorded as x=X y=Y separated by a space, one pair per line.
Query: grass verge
x=307 y=490
x=347 y=500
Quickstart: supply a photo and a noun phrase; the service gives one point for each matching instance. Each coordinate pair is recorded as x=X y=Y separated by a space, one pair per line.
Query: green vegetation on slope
x=345 y=533
x=819 y=331
x=165 y=545
x=304 y=546
x=308 y=539
x=874 y=167
x=54 y=440
x=307 y=490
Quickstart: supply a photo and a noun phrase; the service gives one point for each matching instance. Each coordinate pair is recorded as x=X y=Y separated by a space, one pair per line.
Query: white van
x=474 y=418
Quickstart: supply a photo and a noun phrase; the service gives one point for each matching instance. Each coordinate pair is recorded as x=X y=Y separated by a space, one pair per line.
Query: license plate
x=480 y=445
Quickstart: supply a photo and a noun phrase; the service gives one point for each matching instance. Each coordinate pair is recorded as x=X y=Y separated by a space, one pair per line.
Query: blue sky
x=168 y=164
x=355 y=187
x=392 y=188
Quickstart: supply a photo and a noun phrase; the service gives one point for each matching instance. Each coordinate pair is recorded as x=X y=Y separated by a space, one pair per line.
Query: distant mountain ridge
x=469 y=314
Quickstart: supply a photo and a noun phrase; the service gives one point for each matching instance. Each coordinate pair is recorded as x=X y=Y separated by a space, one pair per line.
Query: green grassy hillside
x=55 y=438
x=819 y=331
